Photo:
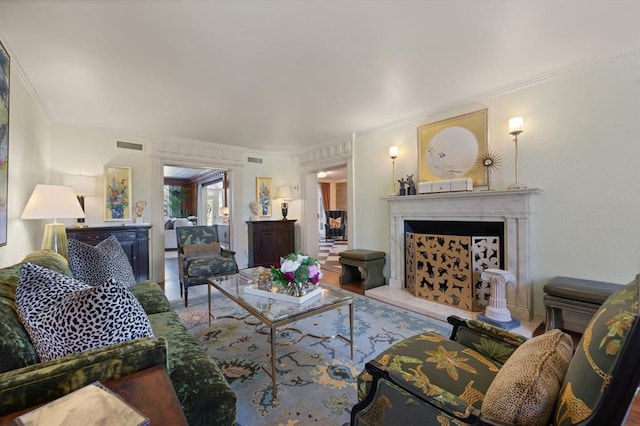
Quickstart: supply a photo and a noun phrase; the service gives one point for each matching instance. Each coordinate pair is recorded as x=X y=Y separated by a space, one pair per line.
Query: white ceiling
x=291 y=75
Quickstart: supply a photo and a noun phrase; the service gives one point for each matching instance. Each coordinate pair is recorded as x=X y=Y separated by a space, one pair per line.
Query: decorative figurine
x=139 y=209
x=489 y=161
x=254 y=208
x=403 y=190
x=412 y=185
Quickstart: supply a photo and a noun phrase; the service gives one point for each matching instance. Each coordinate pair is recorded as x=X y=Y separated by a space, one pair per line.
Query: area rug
x=316 y=378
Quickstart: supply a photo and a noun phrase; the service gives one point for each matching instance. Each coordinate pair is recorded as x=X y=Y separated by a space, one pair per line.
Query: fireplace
x=501 y=214
x=444 y=260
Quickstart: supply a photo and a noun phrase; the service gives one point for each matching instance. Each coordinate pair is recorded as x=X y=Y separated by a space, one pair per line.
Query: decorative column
x=497 y=313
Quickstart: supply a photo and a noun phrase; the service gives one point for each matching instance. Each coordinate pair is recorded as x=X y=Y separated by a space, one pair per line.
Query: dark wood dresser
x=270 y=239
x=134 y=239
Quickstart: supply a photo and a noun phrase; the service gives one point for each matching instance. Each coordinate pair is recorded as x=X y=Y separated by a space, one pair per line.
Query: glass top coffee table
x=275 y=314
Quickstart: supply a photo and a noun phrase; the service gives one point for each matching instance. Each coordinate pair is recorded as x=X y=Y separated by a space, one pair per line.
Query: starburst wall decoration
x=490 y=162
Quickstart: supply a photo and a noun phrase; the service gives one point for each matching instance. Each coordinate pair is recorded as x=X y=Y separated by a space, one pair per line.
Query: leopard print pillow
x=525 y=390
x=96 y=264
x=65 y=316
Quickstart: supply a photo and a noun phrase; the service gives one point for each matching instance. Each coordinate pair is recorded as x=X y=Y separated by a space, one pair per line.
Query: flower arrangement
x=296 y=268
x=117 y=194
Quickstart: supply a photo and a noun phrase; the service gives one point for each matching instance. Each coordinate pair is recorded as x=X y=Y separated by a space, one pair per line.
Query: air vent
x=254 y=160
x=130 y=145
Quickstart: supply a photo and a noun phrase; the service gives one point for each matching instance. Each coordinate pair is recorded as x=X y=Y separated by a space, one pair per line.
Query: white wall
x=29 y=142
x=580 y=146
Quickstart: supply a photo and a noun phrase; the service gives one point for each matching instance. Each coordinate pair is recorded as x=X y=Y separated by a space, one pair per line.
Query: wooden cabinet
x=134 y=239
x=269 y=240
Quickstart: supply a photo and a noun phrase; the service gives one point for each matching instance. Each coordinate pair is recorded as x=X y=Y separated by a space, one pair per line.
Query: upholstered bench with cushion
x=372 y=262
x=575 y=295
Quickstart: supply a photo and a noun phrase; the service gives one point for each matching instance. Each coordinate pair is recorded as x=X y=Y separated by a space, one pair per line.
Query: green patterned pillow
x=596 y=356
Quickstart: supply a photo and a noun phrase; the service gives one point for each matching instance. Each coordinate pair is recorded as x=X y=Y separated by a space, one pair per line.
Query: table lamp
x=284 y=192
x=53 y=202
x=83 y=186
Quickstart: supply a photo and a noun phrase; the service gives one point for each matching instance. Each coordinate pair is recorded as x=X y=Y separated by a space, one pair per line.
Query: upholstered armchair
x=200 y=257
x=336 y=225
x=485 y=375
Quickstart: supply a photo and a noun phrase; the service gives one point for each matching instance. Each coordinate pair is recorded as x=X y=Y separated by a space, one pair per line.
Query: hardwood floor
x=333 y=278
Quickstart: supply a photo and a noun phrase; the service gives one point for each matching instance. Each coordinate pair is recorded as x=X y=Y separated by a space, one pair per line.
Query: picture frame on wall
x=449 y=149
x=5 y=63
x=263 y=196
x=117 y=193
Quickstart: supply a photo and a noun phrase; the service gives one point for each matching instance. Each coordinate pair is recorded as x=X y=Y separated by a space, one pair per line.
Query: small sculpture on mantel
x=411 y=184
x=403 y=190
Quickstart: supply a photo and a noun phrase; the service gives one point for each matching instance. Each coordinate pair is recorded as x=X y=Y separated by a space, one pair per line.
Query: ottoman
x=371 y=262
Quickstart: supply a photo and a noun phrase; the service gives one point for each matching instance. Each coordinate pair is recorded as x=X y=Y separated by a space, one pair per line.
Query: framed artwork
x=117 y=193
x=449 y=149
x=4 y=142
x=263 y=195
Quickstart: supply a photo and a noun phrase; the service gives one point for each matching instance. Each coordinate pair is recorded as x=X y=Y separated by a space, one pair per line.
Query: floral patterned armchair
x=200 y=257
x=485 y=375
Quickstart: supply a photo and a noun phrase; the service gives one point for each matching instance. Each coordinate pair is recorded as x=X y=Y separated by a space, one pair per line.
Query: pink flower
x=289 y=276
x=313 y=270
x=315 y=278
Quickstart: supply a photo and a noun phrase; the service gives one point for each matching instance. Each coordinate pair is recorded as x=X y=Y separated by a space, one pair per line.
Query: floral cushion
x=429 y=362
x=596 y=356
x=525 y=389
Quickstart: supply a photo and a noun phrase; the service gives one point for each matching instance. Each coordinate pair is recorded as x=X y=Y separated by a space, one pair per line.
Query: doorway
x=192 y=196
x=333 y=216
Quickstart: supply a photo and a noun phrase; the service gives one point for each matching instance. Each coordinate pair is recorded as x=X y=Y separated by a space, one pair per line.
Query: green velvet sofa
x=203 y=392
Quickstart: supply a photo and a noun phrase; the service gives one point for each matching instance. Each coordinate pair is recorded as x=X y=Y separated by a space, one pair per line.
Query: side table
x=149 y=390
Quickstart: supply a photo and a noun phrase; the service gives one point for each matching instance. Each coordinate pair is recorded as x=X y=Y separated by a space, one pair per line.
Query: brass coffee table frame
x=216 y=282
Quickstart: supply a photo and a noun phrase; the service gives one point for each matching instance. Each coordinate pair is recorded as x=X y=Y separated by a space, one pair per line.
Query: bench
x=371 y=262
x=575 y=295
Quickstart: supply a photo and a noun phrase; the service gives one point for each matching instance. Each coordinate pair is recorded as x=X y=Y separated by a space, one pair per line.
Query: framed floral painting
x=4 y=142
x=263 y=195
x=117 y=193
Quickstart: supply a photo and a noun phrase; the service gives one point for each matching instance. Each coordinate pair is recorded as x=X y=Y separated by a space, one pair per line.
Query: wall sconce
x=53 y=202
x=83 y=186
x=224 y=212
x=284 y=192
x=393 y=154
x=516 y=126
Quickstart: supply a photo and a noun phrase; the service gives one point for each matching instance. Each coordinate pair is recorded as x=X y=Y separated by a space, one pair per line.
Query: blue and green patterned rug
x=316 y=378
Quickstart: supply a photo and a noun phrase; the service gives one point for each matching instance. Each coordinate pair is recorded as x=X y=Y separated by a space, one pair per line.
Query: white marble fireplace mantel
x=511 y=207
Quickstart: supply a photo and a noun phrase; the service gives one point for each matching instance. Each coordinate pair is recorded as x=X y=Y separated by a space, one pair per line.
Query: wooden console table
x=134 y=239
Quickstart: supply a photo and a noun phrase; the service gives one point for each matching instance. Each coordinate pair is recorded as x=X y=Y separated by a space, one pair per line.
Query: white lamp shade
x=82 y=185
x=516 y=124
x=284 y=192
x=224 y=211
x=393 y=152
x=52 y=202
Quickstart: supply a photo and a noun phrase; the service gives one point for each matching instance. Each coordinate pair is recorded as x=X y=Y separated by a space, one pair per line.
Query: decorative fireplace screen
x=446 y=268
